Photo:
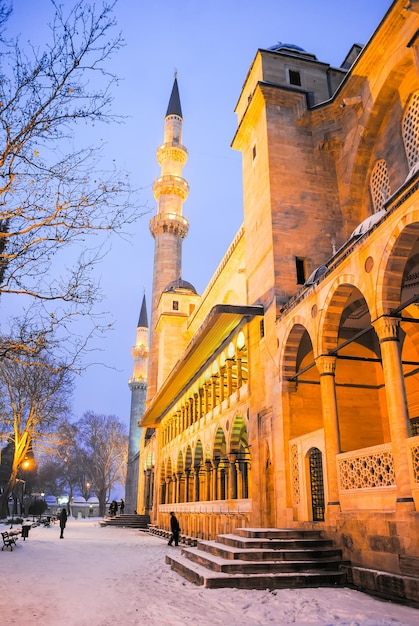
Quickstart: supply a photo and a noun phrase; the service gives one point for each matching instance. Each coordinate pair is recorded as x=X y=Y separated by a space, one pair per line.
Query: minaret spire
x=174 y=107
x=168 y=227
x=138 y=386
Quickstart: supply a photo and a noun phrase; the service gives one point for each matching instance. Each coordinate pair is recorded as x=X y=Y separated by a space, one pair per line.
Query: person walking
x=122 y=506
x=174 y=527
x=63 y=522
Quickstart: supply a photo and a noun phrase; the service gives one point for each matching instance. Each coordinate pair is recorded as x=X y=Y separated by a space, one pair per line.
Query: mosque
x=287 y=394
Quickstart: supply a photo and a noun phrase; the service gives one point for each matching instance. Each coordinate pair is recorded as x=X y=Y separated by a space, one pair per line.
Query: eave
x=216 y=329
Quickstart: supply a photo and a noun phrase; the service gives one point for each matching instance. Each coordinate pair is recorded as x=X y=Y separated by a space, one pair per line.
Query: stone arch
x=402 y=245
x=220 y=461
x=219 y=445
x=180 y=463
x=301 y=400
x=289 y=357
x=334 y=305
x=199 y=454
x=240 y=458
x=347 y=335
x=238 y=433
x=386 y=96
x=188 y=457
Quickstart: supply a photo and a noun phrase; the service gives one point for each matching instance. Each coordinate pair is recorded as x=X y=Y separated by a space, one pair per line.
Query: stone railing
x=367 y=468
x=413 y=446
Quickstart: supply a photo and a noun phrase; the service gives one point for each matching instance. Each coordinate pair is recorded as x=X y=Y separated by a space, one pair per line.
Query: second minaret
x=168 y=226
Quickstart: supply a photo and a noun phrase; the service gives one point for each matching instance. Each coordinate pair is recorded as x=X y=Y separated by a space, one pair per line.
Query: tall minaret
x=138 y=386
x=168 y=227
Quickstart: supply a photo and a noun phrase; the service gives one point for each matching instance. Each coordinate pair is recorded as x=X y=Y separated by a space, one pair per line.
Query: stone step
x=279 y=533
x=249 y=542
x=244 y=566
x=200 y=575
x=260 y=554
x=128 y=521
x=261 y=559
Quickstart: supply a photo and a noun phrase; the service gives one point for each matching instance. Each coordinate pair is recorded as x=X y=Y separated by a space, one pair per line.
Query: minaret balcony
x=169 y=223
x=173 y=152
x=170 y=185
x=137 y=382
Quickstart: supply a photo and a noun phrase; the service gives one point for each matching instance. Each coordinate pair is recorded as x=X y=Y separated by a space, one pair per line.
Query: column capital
x=326 y=365
x=386 y=328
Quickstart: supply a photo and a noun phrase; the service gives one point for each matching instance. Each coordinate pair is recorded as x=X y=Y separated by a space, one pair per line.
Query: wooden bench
x=9 y=539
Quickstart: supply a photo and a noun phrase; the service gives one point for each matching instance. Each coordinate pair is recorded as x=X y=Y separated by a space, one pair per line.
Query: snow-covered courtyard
x=109 y=576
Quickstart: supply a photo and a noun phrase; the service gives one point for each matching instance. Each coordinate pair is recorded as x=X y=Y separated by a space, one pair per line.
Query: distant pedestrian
x=174 y=527
x=122 y=506
x=63 y=522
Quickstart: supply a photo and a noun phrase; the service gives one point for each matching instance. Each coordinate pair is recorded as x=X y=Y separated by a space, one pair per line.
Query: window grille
x=410 y=131
x=379 y=185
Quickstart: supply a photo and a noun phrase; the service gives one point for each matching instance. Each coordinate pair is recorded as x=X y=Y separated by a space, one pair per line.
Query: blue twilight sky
x=211 y=45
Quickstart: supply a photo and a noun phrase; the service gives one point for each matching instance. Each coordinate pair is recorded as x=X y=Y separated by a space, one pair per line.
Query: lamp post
x=20 y=494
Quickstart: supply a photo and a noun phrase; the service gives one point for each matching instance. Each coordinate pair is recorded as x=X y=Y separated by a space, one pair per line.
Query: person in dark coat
x=174 y=527
x=63 y=522
x=122 y=506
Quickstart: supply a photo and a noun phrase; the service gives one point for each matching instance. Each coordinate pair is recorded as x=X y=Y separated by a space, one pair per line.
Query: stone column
x=232 y=476
x=208 y=469
x=229 y=363
x=214 y=380
x=239 y=372
x=187 y=495
x=326 y=366
x=387 y=332
x=206 y=397
x=222 y=379
x=168 y=494
x=147 y=488
x=215 y=492
x=196 y=407
x=196 y=484
x=201 y=401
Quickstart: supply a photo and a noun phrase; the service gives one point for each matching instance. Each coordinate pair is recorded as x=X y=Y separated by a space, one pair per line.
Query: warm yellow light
x=241 y=340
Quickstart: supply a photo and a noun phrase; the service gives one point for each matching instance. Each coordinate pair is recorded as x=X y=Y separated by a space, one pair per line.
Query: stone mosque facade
x=287 y=394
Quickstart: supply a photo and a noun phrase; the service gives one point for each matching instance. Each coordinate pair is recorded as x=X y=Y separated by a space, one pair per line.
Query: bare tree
x=53 y=197
x=103 y=442
x=58 y=467
x=35 y=392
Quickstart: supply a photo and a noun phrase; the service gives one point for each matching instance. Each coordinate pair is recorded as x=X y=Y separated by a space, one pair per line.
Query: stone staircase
x=127 y=521
x=264 y=558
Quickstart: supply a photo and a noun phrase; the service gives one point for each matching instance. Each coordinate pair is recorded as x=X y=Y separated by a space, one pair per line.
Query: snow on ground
x=105 y=576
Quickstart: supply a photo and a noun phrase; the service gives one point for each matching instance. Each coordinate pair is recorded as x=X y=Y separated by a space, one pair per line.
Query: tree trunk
x=4 y=498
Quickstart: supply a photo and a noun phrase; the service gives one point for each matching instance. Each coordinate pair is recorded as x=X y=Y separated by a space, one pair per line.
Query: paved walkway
x=110 y=576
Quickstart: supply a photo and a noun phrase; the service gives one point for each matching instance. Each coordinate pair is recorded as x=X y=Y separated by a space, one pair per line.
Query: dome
x=314 y=276
x=179 y=285
x=93 y=500
x=368 y=223
x=287 y=46
x=79 y=500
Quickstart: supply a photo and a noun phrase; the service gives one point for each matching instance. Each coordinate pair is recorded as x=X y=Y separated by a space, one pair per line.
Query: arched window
x=410 y=131
x=379 y=185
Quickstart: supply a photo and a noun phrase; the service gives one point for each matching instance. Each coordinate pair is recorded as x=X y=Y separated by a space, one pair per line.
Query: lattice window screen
x=410 y=131
x=379 y=185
